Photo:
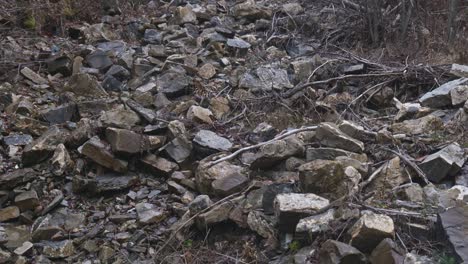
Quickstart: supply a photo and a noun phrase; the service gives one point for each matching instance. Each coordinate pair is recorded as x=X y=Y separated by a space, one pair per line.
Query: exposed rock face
x=370 y=230
x=291 y=207
x=329 y=135
x=331 y=179
x=335 y=252
x=446 y=162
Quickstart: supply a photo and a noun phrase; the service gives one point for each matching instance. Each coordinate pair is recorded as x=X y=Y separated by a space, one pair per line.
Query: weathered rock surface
x=441 y=96
x=370 y=230
x=96 y=150
x=291 y=207
x=335 y=252
x=446 y=162
x=270 y=154
x=454 y=226
x=329 y=135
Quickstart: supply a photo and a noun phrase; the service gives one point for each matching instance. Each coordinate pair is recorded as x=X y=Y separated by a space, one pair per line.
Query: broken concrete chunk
x=329 y=135
x=370 y=230
x=446 y=162
x=291 y=207
x=96 y=150
x=335 y=252
x=441 y=96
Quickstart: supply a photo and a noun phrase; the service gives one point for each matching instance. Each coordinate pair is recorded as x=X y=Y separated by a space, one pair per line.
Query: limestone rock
x=270 y=154
x=291 y=207
x=332 y=153
x=312 y=225
x=200 y=114
x=370 y=230
x=389 y=176
x=331 y=179
x=454 y=226
x=205 y=175
x=387 y=252
x=229 y=184
x=60 y=249
x=210 y=140
x=44 y=146
x=329 y=135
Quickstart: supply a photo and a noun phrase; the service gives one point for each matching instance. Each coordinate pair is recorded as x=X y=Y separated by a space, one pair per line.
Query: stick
x=242 y=150
x=307 y=84
x=411 y=164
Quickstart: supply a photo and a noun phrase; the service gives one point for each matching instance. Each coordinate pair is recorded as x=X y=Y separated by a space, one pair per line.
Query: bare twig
x=411 y=164
x=242 y=150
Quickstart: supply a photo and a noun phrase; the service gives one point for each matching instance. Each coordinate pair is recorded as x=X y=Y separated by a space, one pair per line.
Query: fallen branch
x=344 y=77
x=242 y=150
x=411 y=164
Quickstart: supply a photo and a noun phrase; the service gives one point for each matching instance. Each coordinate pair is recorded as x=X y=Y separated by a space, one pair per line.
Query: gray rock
x=173 y=84
x=60 y=114
x=148 y=114
x=215 y=215
x=9 y=213
x=17 y=139
x=270 y=154
x=251 y=10
x=459 y=95
x=446 y=162
x=5 y=256
x=424 y=125
x=260 y=223
x=412 y=192
x=125 y=141
x=303 y=255
x=84 y=85
x=273 y=77
x=59 y=249
x=441 y=96
x=111 y=84
x=200 y=114
x=332 y=153
x=292 y=9
x=24 y=249
x=211 y=140
x=62 y=65
x=120 y=117
x=205 y=174
x=96 y=150
x=111 y=182
x=159 y=165
x=229 y=184
x=201 y=202
x=179 y=149
x=27 y=200
x=354 y=69
x=34 y=77
x=10 y=180
x=44 y=146
x=329 y=135
x=270 y=193
x=370 y=230
x=149 y=213
x=60 y=161
x=184 y=14
x=291 y=207
x=238 y=47
x=263 y=132
x=387 y=252
x=453 y=224
x=331 y=179
x=118 y=72
x=389 y=176
x=459 y=70
x=310 y=226
x=335 y=252
x=99 y=60
x=153 y=36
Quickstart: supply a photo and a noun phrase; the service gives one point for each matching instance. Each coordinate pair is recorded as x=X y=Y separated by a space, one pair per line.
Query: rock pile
x=119 y=149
